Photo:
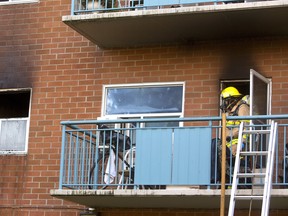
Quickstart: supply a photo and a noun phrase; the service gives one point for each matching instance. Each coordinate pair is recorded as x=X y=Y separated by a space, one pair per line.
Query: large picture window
x=14 y=120
x=165 y=99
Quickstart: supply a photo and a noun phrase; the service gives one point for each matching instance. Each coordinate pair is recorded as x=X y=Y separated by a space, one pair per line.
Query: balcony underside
x=186 y=198
x=183 y=24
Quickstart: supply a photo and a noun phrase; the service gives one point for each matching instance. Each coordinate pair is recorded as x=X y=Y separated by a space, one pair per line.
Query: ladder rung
x=248 y=197
x=256 y=131
x=250 y=175
x=251 y=153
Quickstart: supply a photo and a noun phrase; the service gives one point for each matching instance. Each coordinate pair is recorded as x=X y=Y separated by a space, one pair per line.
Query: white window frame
x=143 y=115
x=27 y=119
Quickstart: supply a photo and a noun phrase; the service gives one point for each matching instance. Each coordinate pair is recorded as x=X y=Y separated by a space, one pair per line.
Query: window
x=14 y=120
x=144 y=100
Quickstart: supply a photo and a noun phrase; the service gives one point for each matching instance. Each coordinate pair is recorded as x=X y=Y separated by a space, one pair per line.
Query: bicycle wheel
x=97 y=172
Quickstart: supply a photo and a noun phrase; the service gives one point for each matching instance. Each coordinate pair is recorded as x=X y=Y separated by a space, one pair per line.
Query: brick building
x=51 y=73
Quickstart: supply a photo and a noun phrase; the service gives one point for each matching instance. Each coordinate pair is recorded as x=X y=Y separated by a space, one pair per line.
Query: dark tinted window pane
x=164 y=99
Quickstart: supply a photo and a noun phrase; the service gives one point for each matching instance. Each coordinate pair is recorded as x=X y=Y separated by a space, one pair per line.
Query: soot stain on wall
x=14 y=68
x=237 y=60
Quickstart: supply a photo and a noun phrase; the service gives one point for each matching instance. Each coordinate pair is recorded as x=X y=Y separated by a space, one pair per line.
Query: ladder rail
x=236 y=170
x=269 y=171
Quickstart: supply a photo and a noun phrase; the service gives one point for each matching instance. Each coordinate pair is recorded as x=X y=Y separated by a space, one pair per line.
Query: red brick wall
x=66 y=73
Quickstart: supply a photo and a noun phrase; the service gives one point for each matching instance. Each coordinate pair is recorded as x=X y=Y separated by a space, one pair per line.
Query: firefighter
x=234 y=104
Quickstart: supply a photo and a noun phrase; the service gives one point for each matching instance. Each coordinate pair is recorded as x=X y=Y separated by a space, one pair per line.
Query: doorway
x=257 y=87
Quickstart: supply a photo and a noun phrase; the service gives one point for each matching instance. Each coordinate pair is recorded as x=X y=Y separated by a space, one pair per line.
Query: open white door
x=260 y=104
x=260 y=94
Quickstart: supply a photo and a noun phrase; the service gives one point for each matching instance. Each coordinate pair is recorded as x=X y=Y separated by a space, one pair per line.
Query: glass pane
x=13 y=135
x=164 y=99
x=259 y=94
x=260 y=97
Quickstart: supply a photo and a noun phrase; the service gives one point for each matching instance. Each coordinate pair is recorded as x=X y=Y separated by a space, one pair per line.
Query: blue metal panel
x=192 y=155
x=205 y=1
x=149 y=3
x=153 y=157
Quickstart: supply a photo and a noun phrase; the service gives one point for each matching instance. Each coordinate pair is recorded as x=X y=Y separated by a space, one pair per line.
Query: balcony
x=134 y=23
x=121 y=164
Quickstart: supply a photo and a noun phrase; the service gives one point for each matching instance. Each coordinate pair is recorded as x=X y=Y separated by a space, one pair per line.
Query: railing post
x=62 y=157
x=72 y=7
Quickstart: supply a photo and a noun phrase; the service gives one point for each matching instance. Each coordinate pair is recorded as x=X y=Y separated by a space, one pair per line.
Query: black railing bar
x=81 y=138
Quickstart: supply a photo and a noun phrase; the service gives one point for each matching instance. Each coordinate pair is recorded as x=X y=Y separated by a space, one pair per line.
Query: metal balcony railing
x=122 y=154
x=92 y=6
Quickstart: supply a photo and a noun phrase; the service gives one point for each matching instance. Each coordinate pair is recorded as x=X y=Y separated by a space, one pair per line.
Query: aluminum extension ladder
x=265 y=196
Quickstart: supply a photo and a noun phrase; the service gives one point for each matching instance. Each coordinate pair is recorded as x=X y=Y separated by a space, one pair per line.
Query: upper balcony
x=132 y=165
x=130 y=23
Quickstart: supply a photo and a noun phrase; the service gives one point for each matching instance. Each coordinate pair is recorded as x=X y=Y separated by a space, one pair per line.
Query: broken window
x=14 y=120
